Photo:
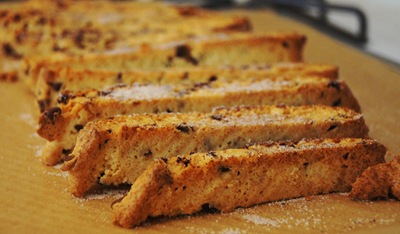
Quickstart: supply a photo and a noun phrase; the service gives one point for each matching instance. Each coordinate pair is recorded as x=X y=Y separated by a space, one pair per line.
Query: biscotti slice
x=233 y=178
x=53 y=81
x=60 y=126
x=207 y=50
x=380 y=181
x=118 y=150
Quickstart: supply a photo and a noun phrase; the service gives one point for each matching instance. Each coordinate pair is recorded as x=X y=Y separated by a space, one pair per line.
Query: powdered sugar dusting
x=107 y=193
x=146 y=92
x=232 y=231
x=27 y=118
x=256 y=219
x=252 y=87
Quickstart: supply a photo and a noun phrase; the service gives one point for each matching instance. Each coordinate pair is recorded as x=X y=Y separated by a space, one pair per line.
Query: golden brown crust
x=228 y=179
x=117 y=150
x=380 y=181
x=78 y=108
x=53 y=81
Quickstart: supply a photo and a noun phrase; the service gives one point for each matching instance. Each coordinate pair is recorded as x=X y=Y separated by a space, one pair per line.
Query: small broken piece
x=380 y=181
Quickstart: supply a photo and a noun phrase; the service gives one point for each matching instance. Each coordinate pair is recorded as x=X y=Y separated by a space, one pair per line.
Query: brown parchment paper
x=34 y=198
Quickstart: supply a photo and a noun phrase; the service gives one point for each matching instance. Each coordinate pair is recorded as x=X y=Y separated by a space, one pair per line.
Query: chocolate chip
x=187 y=11
x=183 y=51
x=185 y=75
x=185 y=161
x=105 y=92
x=148 y=153
x=65 y=33
x=170 y=59
x=41 y=21
x=79 y=39
x=43 y=105
x=78 y=127
x=52 y=113
x=212 y=78
x=164 y=160
x=212 y=153
x=57 y=48
x=184 y=128
x=88 y=35
x=9 y=76
x=101 y=175
x=109 y=130
x=3 y=13
x=285 y=44
x=17 y=17
x=334 y=84
x=305 y=165
x=281 y=105
x=119 y=77
x=332 y=127
x=223 y=169
x=337 y=102
x=27 y=71
x=9 y=51
x=56 y=86
x=63 y=98
x=199 y=85
x=209 y=209
x=346 y=156
x=217 y=117
x=167 y=178
x=20 y=37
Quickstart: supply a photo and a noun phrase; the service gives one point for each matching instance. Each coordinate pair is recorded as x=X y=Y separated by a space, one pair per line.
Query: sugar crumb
x=232 y=231
x=258 y=220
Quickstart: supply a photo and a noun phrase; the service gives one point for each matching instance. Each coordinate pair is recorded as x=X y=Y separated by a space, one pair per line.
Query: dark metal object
x=322 y=8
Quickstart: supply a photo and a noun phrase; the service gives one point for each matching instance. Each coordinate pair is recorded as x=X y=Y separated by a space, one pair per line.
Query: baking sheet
x=34 y=198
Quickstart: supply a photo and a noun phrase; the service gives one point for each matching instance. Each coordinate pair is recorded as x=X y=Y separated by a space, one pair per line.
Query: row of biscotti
x=192 y=84
x=34 y=30
x=204 y=159
x=61 y=124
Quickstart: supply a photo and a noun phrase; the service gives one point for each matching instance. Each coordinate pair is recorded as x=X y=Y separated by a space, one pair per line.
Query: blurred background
x=370 y=25
x=383 y=18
